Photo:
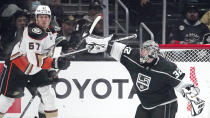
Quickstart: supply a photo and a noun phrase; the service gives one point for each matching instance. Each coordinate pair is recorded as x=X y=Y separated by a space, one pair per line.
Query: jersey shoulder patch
x=35 y=32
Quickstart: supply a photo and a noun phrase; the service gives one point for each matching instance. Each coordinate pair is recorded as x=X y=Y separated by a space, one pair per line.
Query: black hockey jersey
x=189 y=33
x=154 y=82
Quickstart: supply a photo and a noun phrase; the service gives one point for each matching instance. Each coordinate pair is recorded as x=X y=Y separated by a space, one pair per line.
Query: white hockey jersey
x=33 y=52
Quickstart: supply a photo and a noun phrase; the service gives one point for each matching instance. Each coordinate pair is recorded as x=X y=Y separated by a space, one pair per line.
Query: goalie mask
x=150 y=49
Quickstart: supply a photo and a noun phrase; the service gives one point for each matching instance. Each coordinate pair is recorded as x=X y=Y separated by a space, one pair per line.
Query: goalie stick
x=84 y=49
x=74 y=52
x=97 y=19
x=125 y=38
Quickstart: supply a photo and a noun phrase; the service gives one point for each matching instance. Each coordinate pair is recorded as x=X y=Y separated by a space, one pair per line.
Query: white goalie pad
x=197 y=106
x=191 y=94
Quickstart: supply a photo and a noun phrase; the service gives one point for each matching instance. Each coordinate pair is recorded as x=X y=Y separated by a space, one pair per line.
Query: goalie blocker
x=153 y=76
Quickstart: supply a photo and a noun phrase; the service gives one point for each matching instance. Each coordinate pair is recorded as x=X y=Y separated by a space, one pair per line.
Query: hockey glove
x=61 y=63
x=97 y=44
x=53 y=78
x=197 y=104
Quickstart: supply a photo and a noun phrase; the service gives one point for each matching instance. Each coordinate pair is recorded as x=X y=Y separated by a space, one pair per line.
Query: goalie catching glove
x=97 y=44
x=197 y=104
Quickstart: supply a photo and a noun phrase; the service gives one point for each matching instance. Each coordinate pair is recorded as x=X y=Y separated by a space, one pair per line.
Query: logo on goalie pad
x=197 y=106
x=143 y=82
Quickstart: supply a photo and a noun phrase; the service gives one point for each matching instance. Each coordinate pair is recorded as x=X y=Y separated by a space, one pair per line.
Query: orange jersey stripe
x=47 y=63
x=21 y=62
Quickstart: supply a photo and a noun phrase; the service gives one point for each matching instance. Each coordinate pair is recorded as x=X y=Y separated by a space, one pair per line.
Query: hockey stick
x=74 y=52
x=98 y=18
x=27 y=106
x=61 y=38
x=125 y=38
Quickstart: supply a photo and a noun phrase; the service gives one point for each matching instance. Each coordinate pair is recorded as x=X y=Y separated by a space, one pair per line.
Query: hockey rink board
x=104 y=90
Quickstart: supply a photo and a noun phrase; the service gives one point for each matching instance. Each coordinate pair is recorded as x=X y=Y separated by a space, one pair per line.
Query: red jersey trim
x=47 y=62
x=21 y=62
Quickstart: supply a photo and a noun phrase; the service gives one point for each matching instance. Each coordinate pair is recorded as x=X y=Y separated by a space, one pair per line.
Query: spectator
x=94 y=10
x=144 y=2
x=139 y=10
x=68 y=27
x=23 y=4
x=32 y=18
x=183 y=3
x=190 y=30
x=83 y=25
x=34 y=4
x=13 y=33
x=206 y=19
x=9 y=10
x=57 y=12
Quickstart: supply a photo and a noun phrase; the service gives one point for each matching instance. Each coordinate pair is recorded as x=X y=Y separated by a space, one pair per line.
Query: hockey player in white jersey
x=153 y=77
x=29 y=64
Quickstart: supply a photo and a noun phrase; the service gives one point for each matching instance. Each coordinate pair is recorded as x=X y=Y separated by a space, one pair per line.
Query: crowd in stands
x=15 y=16
x=192 y=28
x=186 y=19
x=189 y=30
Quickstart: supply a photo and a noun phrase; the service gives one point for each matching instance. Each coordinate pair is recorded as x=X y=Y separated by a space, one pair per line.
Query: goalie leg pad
x=5 y=103
x=197 y=106
x=48 y=97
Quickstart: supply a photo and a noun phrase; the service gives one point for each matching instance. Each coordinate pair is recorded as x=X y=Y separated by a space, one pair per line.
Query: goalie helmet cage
x=185 y=52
